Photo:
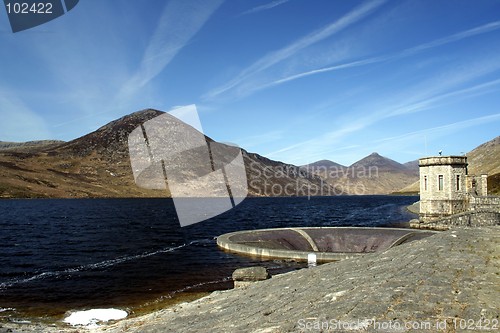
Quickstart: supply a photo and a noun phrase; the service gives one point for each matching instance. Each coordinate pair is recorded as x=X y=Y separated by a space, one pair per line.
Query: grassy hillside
x=494 y=184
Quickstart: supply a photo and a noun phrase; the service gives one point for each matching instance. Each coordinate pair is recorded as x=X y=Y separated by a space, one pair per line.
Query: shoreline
x=248 y=196
x=447 y=278
x=414 y=208
x=54 y=323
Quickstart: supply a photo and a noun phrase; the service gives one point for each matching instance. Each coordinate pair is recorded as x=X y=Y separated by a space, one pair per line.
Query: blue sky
x=294 y=80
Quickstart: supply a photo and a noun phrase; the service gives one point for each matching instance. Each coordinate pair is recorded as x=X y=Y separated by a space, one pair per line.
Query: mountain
x=485 y=159
x=98 y=165
x=323 y=168
x=412 y=165
x=381 y=163
x=94 y=165
x=29 y=145
x=373 y=174
x=110 y=140
x=494 y=184
x=323 y=164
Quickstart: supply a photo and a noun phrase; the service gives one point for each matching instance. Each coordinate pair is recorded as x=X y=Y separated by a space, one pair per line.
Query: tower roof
x=443 y=160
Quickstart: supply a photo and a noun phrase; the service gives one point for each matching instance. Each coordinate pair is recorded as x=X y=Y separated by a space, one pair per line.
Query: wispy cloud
x=277 y=56
x=444 y=129
x=404 y=53
x=475 y=90
x=259 y=139
x=264 y=7
x=320 y=145
x=321 y=70
x=401 y=142
x=427 y=101
x=456 y=37
x=18 y=120
x=320 y=148
x=325 y=144
x=178 y=23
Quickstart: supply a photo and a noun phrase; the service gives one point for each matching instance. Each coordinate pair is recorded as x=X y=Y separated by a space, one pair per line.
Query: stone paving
x=444 y=283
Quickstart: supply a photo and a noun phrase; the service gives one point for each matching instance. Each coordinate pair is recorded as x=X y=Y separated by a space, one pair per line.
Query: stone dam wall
x=490 y=203
x=474 y=218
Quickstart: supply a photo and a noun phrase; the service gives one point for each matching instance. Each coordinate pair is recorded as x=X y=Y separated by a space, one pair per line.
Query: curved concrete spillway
x=328 y=243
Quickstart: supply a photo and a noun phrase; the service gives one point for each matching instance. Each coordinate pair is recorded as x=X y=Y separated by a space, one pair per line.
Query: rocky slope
x=485 y=158
x=98 y=165
x=412 y=165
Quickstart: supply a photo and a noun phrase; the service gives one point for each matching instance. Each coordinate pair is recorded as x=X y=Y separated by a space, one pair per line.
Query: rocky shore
x=444 y=283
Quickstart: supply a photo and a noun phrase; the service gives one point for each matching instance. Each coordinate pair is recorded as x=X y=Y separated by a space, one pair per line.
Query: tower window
x=425 y=183
x=458 y=182
x=440 y=182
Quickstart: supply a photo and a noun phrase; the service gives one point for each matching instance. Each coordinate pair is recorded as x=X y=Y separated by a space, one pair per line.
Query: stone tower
x=443 y=189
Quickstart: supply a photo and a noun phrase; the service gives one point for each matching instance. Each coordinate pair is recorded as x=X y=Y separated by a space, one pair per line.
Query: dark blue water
x=57 y=255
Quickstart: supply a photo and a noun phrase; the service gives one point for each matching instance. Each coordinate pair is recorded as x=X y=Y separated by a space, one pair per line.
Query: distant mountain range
x=373 y=174
x=4 y=145
x=98 y=165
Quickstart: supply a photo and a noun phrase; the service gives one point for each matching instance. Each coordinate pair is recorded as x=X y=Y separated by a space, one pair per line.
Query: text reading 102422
x=26 y=14
x=29 y=8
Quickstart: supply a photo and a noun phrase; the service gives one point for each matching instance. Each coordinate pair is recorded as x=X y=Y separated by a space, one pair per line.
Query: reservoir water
x=70 y=254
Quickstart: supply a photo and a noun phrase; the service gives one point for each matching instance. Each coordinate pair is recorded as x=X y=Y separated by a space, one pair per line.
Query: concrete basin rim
x=225 y=243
